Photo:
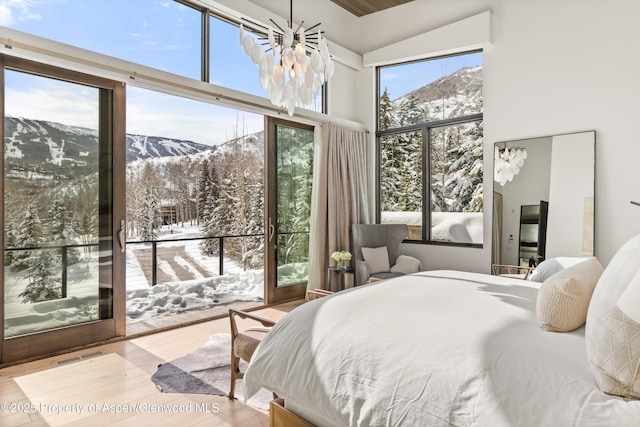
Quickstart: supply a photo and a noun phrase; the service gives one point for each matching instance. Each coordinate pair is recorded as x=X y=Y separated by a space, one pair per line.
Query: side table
x=341 y=278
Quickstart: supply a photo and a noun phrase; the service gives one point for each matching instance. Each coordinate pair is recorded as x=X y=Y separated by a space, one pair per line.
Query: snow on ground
x=191 y=280
x=463 y=227
x=187 y=281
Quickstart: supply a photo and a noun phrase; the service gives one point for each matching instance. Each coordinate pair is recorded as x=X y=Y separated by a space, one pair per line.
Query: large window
x=167 y=35
x=430 y=148
x=159 y=34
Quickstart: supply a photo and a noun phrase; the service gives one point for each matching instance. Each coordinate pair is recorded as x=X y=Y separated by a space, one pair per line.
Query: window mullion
x=426 y=184
x=205 y=55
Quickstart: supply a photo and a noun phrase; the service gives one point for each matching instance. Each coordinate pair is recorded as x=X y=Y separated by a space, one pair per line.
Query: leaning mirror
x=543 y=198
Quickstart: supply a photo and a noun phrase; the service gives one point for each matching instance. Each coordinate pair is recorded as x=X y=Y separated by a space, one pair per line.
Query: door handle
x=272 y=229
x=122 y=235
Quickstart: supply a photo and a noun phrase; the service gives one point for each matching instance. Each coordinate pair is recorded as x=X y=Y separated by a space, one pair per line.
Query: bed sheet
x=434 y=348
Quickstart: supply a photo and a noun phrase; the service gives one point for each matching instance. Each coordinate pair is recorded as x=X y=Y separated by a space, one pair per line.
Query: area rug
x=206 y=371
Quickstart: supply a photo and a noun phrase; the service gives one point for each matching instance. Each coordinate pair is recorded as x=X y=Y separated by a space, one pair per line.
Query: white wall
x=555 y=66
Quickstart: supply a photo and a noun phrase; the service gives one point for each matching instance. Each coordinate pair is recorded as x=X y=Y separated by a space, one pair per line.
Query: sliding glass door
x=289 y=176
x=60 y=213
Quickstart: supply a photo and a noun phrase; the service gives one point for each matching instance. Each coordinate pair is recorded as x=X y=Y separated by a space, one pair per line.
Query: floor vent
x=79 y=358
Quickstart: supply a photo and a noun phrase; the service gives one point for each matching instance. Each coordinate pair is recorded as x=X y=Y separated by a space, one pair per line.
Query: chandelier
x=507 y=163
x=290 y=77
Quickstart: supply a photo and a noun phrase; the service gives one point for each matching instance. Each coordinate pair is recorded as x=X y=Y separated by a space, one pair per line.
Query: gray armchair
x=375 y=236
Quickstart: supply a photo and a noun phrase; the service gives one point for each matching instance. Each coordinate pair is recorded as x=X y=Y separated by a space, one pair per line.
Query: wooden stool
x=244 y=343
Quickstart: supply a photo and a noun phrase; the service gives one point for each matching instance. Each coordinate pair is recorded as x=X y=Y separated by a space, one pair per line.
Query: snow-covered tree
x=386 y=111
x=410 y=112
x=401 y=172
x=240 y=175
x=148 y=217
x=464 y=186
x=85 y=212
x=294 y=164
x=44 y=276
x=27 y=234
x=209 y=207
x=61 y=231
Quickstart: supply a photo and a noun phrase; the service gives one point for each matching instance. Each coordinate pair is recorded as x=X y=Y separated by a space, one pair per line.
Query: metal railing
x=154 y=250
x=154 y=253
x=64 y=259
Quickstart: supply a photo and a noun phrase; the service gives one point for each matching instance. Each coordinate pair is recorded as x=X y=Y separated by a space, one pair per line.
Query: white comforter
x=435 y=348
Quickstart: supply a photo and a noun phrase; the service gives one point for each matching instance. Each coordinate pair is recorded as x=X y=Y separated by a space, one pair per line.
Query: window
x=166 y=35
x=430 y=148
x=160 y=34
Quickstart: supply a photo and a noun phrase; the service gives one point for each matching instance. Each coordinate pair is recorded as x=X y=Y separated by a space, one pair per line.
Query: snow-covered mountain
x=62 y=145
x=253 y=142
x=455 y=95
x=144 y=147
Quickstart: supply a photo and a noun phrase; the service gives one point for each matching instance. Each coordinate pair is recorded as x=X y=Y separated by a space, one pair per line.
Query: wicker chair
x=244 y=343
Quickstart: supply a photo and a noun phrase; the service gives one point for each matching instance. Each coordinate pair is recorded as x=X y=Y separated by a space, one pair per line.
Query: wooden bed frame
x=279 y=416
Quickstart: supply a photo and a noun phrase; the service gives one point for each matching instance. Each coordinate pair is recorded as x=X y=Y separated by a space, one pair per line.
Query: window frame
x=425 y=129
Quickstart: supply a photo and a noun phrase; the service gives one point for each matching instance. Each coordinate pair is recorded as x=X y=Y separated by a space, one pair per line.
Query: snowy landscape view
x=455 y=155
x=183 y=199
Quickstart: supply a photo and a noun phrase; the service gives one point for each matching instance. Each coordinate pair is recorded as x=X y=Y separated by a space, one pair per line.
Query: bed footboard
x=279 y=416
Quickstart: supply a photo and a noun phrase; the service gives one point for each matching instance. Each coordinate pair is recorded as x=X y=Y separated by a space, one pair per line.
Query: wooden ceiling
x=365 y=7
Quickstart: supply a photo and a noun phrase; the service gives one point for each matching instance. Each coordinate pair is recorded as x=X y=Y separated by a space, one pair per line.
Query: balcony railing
x=154 y=253
x=220 y=254
x=64 y=259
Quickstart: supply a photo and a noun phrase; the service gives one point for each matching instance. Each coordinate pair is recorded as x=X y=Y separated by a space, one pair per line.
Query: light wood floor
x=94 y=387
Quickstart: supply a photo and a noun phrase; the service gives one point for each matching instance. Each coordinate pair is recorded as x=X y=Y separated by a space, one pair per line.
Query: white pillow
x=406 y=265
x=563 y=299
x=377 y=258
x=612 y=339
x=551 y=266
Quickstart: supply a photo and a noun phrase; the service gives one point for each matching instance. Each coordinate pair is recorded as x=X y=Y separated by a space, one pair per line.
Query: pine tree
x=295 y=163
x=208 y=202
x=44 y=284
x=464 y=185
x=149 y=219
x=60 y=231
x=410 y=112
x=386 y=110
x=27 y=233
x=85 y=213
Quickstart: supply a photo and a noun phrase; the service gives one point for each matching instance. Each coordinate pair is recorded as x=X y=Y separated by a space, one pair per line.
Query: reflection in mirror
x=543 y=208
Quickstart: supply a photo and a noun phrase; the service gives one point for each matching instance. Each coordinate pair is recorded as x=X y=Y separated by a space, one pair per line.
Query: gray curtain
x=340 y=196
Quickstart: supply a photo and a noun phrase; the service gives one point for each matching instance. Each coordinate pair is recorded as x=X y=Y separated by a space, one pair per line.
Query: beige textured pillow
x=377 y=258
x=612 y=339
x=406 y=264
x=563 y=299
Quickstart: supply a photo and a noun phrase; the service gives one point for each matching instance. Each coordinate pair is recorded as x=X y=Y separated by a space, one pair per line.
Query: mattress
x=434 y=348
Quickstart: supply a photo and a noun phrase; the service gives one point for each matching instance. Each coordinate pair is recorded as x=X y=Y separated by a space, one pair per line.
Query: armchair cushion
x=377 y=259
x=406 y=265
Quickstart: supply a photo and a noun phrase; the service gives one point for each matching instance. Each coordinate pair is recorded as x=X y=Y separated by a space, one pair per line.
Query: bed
x=434 y=348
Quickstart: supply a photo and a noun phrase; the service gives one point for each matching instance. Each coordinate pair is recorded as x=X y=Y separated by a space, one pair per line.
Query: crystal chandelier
x=290 y=76
x=507 y=163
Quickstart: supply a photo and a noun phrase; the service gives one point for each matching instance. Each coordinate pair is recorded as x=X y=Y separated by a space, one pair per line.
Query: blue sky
x=166 y=35
x=161 y=34
x=403 y=78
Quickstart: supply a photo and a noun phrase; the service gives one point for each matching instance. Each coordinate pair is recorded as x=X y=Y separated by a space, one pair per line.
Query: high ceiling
x=365 y=7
